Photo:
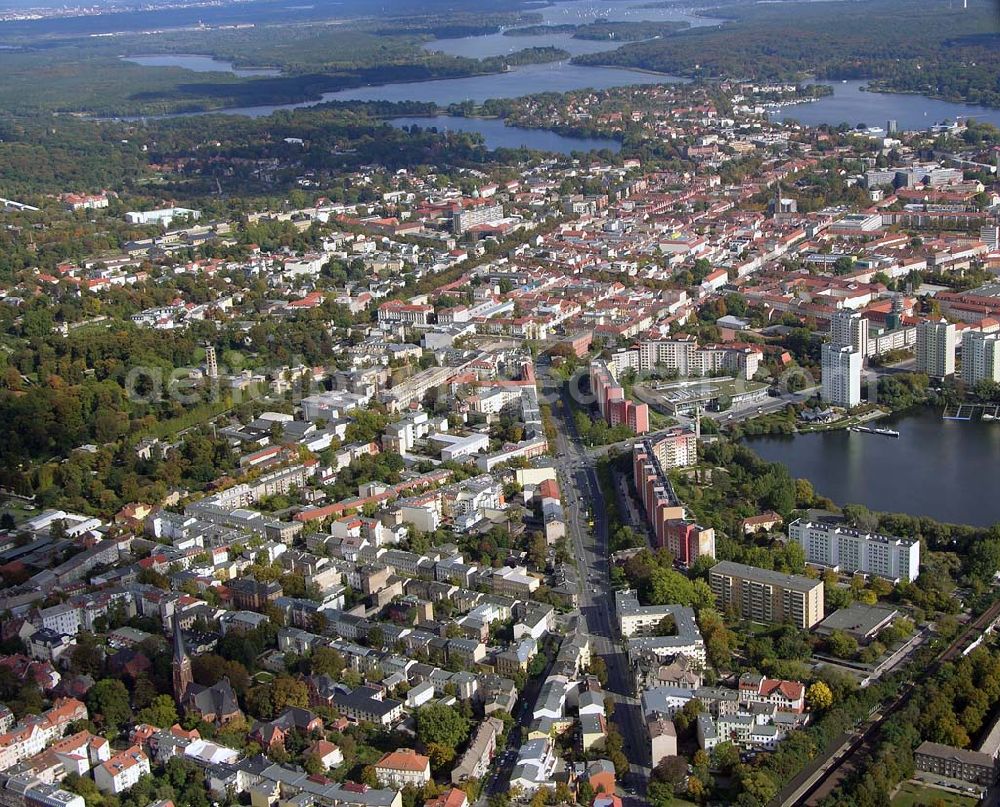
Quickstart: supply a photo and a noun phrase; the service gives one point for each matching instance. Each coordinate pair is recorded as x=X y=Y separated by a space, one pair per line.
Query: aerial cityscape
x=429 y=403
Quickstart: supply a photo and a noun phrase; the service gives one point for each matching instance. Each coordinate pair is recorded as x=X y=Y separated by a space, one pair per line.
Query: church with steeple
x=215 y=704
x=181 y=665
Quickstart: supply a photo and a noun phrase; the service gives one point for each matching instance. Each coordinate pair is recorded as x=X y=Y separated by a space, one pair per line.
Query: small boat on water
x=870 y=430
x=988 y=416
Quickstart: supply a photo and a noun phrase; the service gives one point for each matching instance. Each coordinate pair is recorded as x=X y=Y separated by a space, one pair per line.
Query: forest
x=40 y=155
x=89 y=75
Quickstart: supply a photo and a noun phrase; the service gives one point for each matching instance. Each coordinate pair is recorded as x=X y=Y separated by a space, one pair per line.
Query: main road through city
x=583 y=499
x=582 y=495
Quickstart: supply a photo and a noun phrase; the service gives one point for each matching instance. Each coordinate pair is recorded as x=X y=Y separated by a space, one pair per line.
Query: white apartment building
x=841 y=375
x=164 y=216
x=936 y=349
x=689 y=359
x=848 y=550
x=330 y=405
x=640 y=623
x=849 y=328
x=635 y=619
x=36 y=731
x=474 y=214
x=494 y=401
x=396 y=311
x=980 y=357
x=63 y=618
x=122 y=771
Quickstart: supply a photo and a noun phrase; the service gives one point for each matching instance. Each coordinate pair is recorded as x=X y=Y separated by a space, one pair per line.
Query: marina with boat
x=967 y=411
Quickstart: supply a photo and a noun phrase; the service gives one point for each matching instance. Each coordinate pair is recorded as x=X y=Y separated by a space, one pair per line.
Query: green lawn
x=263 y=677
x=911 y=794
x=20 y=510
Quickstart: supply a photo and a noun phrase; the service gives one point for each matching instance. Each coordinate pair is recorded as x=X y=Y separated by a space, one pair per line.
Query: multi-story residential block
x=475 y=762
x=936 y=349
x=957 y=763
x=514 y=582
x=368 y=704
x=688 y=541
x=403 y=767
x=64 y=618
x=684 y=356
x=635 y=619
x=536 y=761
x=678 y=448
x=615 y=408
x=35 y=732
x=762 y=595
x=841 y=375
x=787 y=696
x=685 y=539
x=662 y=737
x=980 y=357
x=278 y=783
x=849 y=329
x=849 y=550
x=642 y=625
x=122 y=771
x=475 y=212
x=516 y=658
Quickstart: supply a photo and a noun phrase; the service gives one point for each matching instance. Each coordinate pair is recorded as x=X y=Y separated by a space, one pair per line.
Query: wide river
x=944 y=469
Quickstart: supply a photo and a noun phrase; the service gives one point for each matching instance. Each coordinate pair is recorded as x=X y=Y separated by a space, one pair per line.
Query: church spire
x=181 y=665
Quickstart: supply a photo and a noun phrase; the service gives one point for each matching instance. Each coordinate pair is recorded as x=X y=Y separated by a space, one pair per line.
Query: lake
x=479 y=47
x=944 y=469
x=851 y=104
x=525 y=80
x=497 y=135
x=573 y=12
x=197 y=64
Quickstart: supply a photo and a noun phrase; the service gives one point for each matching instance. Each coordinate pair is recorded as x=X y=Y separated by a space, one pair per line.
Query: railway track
x=863 y=746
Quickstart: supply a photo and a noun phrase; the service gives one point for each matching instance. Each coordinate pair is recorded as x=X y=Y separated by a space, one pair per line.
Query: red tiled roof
x=405 y=759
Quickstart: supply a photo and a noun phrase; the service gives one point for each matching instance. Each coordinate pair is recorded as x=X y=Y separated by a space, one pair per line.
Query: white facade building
x=122 y=771
x=850 y=550
x=980 y=357
x=936 y=349
x=841 y=375
x=849 y=328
